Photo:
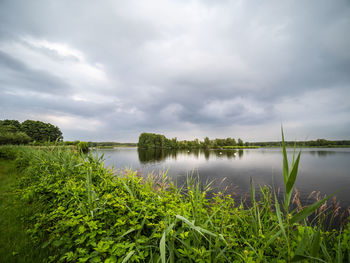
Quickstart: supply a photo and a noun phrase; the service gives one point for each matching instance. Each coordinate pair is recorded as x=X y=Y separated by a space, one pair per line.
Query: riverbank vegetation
x=158 y=141
x=86 y=212
x=313 y=143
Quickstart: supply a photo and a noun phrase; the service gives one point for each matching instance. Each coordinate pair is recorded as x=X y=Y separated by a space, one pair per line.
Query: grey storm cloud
x=110 y=70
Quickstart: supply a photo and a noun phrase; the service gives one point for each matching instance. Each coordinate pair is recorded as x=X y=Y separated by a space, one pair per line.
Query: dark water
x=325 y=170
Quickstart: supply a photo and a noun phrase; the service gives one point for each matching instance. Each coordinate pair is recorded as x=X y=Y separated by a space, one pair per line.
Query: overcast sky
x=109 y=70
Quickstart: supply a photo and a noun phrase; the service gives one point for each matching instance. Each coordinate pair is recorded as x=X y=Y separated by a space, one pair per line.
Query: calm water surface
x=325 y=170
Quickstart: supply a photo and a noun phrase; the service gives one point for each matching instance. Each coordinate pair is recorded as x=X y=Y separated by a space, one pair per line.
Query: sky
x=109 y=70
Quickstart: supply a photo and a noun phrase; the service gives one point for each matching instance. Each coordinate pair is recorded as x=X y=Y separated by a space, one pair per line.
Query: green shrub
x=83 y=147
x=14 y=138
x=8 y=152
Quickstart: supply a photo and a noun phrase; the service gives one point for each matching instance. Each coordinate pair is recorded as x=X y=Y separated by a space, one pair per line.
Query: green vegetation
x=152 y=141
x=83 y=147
x=317 y=143
x=15 y=244
x=111 y=144
x=102 y=145
x=85 y=212
x=240 y=147
x=14 y=132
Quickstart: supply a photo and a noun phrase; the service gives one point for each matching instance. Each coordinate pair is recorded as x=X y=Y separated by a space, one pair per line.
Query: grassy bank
x=15 y=244
x=85 y=212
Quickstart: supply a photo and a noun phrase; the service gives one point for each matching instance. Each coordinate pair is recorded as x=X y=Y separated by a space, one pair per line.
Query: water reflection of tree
x=322 y=153
x=206 y=154
x=158 y=155
x=151 y=155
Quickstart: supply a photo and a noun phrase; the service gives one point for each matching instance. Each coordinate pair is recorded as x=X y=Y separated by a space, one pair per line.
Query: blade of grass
x=285 y=160
x=315 y=247
x=279 y=218
x=293 y=175
x=128 y=256
x=199 y=229
x=162 y=248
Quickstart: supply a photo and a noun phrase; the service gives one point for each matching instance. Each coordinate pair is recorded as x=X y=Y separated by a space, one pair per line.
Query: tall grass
x=88 y=213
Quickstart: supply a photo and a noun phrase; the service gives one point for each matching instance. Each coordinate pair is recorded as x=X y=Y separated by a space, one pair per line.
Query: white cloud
x=57 y=59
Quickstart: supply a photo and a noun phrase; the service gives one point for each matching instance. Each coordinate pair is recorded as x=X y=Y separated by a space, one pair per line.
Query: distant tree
x=151 y=140
x=10 y=125
x=230 y=142
x=240 y=142
x=40 y=131
x=10 y=133
x=206 y=143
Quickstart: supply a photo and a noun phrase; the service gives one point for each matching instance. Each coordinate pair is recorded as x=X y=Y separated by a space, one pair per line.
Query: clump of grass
x=89 y=213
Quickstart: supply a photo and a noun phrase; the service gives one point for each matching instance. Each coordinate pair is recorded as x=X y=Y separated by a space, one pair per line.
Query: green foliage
x=89 y=213
x=151 y=140
x=13 y=138
x=83 y=147
x=316 y=143
x=158 y=141
x=15 y=246
x=40 y=131
x=10 y=125
x=14 y=132
x=8 y=153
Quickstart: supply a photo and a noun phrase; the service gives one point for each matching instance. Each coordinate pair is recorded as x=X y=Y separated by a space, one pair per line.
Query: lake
x=321 y=169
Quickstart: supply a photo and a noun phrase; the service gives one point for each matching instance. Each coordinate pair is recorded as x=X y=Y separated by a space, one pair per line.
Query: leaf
x=273 y=238
x=162 y=248
x=301 y=257
x=111 y=259
x=128 y=189
x=303 y=243
x=297 y=258
x=46 y=244
x=315 y=244
x=279 y=217
x=285 y=160
x=293 y=175
x=199 y=229
x=128 y=256
x=308 y=210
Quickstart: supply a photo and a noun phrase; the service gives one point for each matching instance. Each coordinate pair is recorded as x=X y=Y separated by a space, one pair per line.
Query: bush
x=83 y=147
x=14 y=138
x=8 y=152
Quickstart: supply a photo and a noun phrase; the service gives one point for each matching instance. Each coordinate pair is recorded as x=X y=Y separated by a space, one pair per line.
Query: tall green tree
x=10 y=125
x=10 y=133
x=41 y=131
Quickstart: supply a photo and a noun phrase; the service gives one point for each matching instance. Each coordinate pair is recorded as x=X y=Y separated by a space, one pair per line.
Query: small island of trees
x=159 y=141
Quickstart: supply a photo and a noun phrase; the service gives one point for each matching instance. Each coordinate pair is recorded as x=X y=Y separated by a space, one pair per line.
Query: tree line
x=152 y=140
x=311 y=143
x=15 y=132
